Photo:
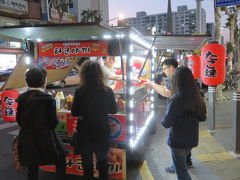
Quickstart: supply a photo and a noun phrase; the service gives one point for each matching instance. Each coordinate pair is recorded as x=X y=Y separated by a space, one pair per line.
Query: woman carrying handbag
x=38 y=143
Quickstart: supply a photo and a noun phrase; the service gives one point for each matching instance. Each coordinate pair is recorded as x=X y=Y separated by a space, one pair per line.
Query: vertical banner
x=9 y=105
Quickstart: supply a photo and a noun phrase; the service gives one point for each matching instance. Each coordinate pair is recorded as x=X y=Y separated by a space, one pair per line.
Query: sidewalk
x=213 y=159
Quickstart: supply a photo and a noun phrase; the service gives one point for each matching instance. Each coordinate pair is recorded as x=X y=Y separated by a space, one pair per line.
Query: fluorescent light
x=131 y=129
x=27 y=60
x=39 y=40
x=135 y=38
x=131 y=48
x=131 y=116
x=133 y=143
x=131 y=103
x=107 y=36
x=131 y=92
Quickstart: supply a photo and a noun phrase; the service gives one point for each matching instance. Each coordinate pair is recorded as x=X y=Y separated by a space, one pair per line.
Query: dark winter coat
x=183 y=126
x=92 y=127
x=38 y=141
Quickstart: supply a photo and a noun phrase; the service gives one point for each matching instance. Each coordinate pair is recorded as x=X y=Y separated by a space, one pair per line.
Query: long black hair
x=186 y=88
x=91 y=79
x=91 y=76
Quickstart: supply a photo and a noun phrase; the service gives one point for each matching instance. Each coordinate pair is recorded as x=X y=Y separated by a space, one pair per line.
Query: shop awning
x=57 y=32
x=178 y=42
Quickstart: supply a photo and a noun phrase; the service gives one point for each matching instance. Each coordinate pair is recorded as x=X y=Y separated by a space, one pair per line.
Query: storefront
x=60 y=47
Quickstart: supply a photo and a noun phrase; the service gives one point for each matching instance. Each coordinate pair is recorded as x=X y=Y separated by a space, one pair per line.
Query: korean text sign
x=74 y=48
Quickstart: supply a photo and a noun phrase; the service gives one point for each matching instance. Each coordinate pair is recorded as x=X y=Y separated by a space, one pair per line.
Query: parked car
x=70 y=80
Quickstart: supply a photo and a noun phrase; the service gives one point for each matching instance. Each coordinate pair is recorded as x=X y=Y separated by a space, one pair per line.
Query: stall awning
x=178 y=42
x=57 y=32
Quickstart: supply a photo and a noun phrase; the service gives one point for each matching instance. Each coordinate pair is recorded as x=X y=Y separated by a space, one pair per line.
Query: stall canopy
x=57 y=32
x=92 y=31
x=81 y=32
x=178 y=42
x=50 y=33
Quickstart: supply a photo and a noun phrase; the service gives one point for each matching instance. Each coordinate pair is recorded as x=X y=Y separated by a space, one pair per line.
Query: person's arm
x=53 y=121
x=170 y=114
x=115 y=77
x=162 y=90
x=203 y=116
x=76 y=104
x=113 y=106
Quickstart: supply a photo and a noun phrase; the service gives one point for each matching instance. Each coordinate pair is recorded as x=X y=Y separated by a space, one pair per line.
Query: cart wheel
x=62 y=84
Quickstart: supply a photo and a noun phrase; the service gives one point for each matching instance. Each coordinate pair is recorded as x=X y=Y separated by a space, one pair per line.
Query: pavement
x=214 y=158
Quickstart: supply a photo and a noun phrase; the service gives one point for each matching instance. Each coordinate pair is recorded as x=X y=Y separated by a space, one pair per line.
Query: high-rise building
x=211 y=30
x=80 y=5
x=184 y=21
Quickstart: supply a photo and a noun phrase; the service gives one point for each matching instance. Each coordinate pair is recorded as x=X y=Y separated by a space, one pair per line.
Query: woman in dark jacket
x=36 y=116
x=185 y=109
x=92 y=103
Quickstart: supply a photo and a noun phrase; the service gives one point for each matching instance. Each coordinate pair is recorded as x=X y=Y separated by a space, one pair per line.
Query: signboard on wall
x=50 y=13
x=66 y=17
x=224 y=3
x=45 y=10
x=15 y=5
x=75 y=48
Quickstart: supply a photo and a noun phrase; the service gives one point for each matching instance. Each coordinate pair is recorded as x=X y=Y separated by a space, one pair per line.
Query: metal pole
x=236 y=121
x=211 y=107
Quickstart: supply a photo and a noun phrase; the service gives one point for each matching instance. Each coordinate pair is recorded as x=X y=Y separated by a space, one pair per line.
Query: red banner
x=75 y=48
x=116 y=160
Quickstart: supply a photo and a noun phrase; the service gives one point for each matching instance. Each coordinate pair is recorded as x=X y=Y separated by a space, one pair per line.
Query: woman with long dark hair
x=92 y=102
x=185 y=109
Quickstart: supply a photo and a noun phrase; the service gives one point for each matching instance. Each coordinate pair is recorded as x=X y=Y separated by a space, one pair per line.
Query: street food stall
x=60 y=47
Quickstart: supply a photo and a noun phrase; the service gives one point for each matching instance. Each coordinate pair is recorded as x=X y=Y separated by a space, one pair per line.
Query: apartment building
x=183 y=21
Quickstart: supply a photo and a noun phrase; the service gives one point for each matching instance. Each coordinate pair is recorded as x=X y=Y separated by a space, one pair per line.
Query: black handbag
x=15 y=155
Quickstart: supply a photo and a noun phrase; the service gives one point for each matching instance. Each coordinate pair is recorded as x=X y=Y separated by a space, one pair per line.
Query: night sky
x=129 y=7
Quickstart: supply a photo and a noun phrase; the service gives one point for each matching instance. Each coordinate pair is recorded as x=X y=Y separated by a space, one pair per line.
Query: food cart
x=60 y=47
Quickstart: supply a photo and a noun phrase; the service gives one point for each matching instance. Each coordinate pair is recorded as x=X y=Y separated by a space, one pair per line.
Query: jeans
x=179 y=157
x=102 y=165
x=60 y=170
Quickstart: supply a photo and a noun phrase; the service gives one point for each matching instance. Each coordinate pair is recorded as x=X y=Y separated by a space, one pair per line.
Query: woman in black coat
x=36 y=116
x=92 y=103
x=185 y=109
